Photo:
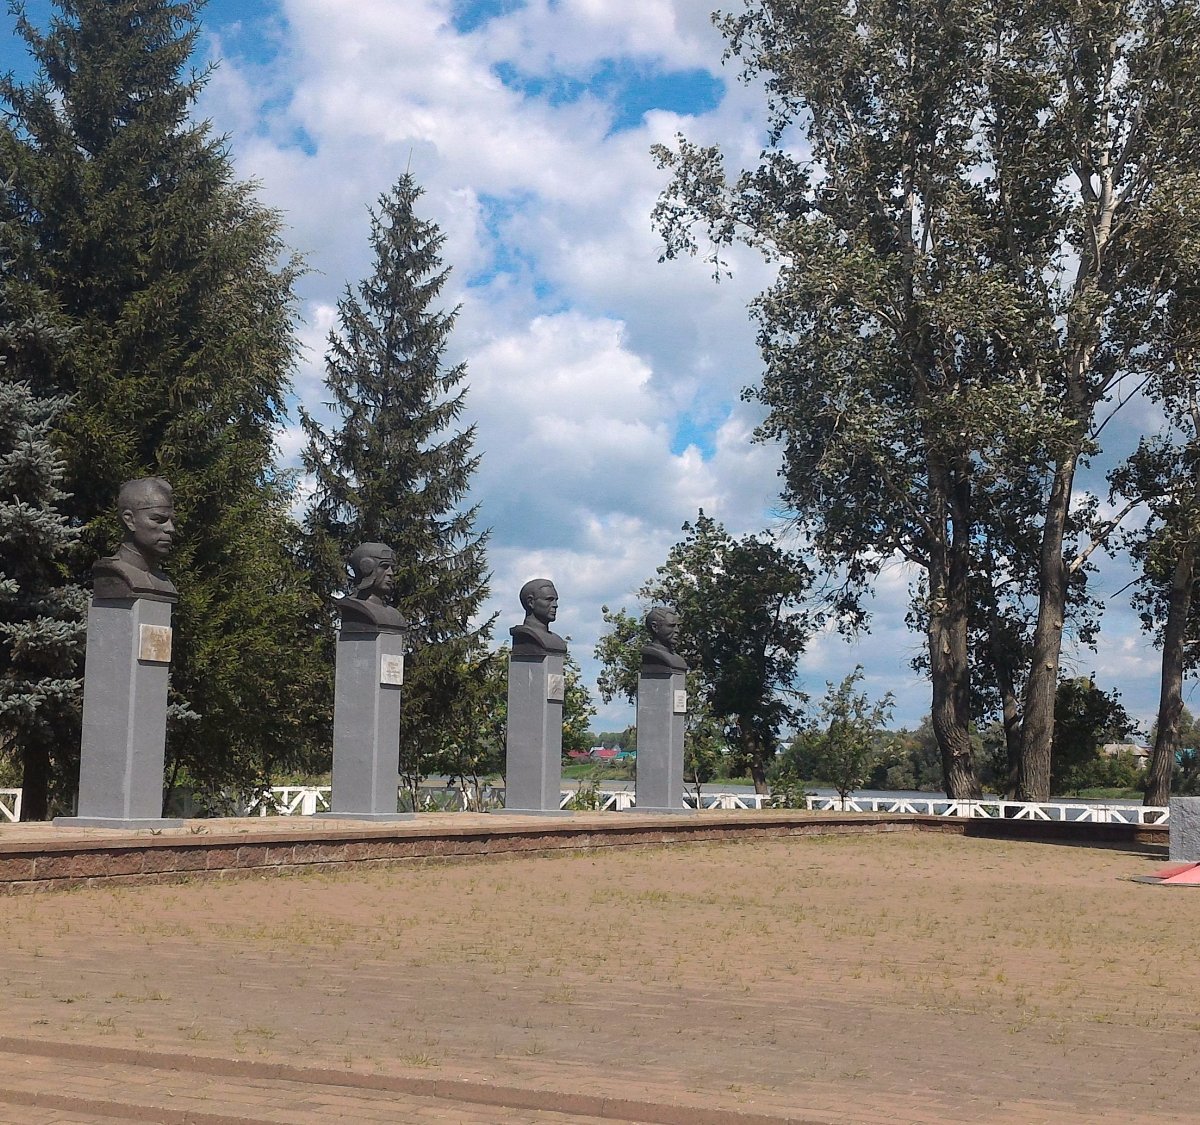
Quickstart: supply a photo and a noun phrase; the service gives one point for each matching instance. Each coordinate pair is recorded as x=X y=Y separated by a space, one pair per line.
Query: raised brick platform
x=39 y=857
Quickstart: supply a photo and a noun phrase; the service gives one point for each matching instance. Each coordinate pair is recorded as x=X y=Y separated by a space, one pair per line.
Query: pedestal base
x=116 y=822
x=124 y=726
x=366 y=725
x=533 y=744
x=1183 y=829
x=661 y=721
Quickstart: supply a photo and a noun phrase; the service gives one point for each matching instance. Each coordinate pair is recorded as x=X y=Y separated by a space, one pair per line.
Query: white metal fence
x=312 y=800
x=996 y=809
x=10 y=804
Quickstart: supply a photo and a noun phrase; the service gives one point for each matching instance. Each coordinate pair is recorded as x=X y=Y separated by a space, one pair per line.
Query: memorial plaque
x=391 y=670
x=680 y=703
x=556 y=688
x=154 y=644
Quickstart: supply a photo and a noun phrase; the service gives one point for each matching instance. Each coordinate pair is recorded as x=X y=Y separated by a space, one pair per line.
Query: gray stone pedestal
x=1183 y=829
x=366 y=725
x=661 y=719
x=127 y=660
x=533 y=750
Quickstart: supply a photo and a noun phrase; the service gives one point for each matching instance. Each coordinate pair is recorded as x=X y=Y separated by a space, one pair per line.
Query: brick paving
x=872 y=980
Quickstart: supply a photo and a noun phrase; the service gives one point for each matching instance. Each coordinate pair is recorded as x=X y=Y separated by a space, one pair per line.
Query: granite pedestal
x=1184 y=829
x=366 y=725
x=661 y=721
x=127 y=660
x=533 y=749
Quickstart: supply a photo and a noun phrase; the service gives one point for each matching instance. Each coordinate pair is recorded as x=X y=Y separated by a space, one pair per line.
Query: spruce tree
x=41 y=610
x=169 y=273
x=395 y=467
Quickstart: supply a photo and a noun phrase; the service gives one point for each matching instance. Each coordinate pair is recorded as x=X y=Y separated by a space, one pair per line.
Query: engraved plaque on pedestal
x=556 y=688
x=680 y=707
x=154 y=644
x=391 y=670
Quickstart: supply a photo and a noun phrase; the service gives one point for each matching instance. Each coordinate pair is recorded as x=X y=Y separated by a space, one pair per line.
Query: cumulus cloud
x=605 y=386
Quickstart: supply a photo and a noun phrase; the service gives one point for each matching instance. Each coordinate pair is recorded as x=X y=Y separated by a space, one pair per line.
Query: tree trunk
x=1033 y=775
x=35 y=783
x=1010 y=706
x=1170 y=703
x=753 y=752
x=758 y=775
x=949 y=639
x=951 y=713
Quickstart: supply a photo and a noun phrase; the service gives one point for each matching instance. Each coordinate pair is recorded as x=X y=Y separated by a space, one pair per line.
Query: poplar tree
x=974 y=209
x=178 y=292
x=395 y=466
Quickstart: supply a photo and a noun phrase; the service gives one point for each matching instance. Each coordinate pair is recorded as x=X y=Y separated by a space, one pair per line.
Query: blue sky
x=605 y=385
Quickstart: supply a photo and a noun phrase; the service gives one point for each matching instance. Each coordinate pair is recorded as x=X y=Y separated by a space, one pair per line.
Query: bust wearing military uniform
x=135 y=571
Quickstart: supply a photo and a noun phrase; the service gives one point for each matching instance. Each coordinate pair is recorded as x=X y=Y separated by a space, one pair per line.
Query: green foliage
x=704 y=744
x=578 y=711
x=475 y=735
x=619 y=653
x=788 y=792
x=617 y=739
x=41 y=612
x=1189 y=731
x=744 y=624
x=587 y=796
x=848 y=743
x=1085 y=718
x=979 y=215
x=913 y=761
x=167 y=273
x=395 y=468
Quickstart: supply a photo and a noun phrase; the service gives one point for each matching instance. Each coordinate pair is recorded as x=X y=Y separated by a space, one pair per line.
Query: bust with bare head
x=659 y=655
x=539 y=600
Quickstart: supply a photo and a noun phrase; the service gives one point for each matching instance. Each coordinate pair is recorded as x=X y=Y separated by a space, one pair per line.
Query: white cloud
x=590 y=364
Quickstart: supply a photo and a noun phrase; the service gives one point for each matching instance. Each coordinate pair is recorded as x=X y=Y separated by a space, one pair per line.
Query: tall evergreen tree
x=41 y=610
x=396 y=468
x=168 y=271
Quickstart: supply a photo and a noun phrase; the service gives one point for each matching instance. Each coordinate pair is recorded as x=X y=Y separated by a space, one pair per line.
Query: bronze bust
x=135 y=571
x=533 y=637
x=659 y=655
x=373 y=567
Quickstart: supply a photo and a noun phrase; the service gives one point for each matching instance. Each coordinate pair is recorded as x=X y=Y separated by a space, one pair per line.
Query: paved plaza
x=877 y=979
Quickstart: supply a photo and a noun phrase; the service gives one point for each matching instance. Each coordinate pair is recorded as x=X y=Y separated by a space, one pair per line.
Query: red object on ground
x=1179 y=873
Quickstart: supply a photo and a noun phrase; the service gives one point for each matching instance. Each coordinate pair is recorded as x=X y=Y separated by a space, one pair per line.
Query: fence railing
x=996 y=809
x=289 y=800
x=10 y=804
x=312 y=800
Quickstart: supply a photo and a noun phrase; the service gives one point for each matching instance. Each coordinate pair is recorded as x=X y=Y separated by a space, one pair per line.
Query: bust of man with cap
x=135 y=571
x=539 y=600
x=659 y=655
x=373 y=567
